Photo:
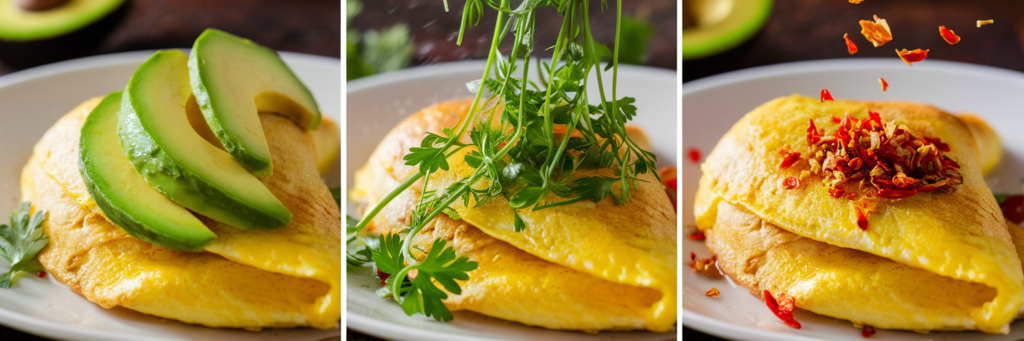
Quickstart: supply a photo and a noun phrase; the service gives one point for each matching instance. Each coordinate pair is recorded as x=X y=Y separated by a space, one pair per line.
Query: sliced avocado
x=123 y=195
x=17 y=24
x=164 y=148
x=233 y=79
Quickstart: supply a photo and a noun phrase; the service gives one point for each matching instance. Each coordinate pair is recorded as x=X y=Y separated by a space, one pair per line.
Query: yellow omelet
x=263 y=278
x=930 y=261
x=583 y=266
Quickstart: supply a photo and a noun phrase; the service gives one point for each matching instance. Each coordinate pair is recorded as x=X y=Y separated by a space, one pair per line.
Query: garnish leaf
x=594 y=187
x=388 y=255
x=442 y=266
x=21 y=241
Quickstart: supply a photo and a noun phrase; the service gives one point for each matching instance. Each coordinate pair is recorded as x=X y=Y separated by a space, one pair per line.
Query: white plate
x=378 y=103
x=712 y=105
x=30 y=102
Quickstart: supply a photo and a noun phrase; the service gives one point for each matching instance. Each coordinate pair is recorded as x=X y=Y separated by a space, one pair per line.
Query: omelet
x=263 y=278
x=583 y=266
x=938 y=260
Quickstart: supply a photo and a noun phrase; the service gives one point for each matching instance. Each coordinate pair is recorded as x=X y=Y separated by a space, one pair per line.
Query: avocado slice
x=164 y=148
x=17 y=24
x=233 y=79
x=123 y=195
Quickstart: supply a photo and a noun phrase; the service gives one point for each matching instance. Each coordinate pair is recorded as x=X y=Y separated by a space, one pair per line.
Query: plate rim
x=710 y=325
x=57 y=330
x=364 y=323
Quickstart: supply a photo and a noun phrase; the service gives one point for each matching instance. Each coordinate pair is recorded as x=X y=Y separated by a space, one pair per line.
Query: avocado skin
x=75 y=44
x=162 y=172
x=129 y=224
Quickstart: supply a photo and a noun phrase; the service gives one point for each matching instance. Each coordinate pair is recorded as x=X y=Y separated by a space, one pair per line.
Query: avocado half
x=67 y=31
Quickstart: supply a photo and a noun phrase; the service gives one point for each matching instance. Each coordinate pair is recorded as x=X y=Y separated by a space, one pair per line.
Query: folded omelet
x=938 y=260
x=583 y=266
x=262 y=278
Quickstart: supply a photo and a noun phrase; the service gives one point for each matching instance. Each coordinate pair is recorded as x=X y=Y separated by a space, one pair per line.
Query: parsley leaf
x=388 y=255
x=442 y=266
x=594 y=187
x=21 y=241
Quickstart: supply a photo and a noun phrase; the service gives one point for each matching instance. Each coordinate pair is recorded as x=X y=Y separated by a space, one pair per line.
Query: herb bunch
x=527 y=141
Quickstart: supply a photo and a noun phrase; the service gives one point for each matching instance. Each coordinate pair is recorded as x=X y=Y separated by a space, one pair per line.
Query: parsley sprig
x=21 y=242
x=527 y=141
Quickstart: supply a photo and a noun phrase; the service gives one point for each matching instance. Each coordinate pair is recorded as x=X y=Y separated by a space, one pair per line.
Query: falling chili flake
x=783 y=308
x=856 y=1
x=694 y=154
x=985 y=22
x=948 y=35
x=867 y=331
x=914 y=56
x=849 y=44
x=885 y=85
x=712 y=293
x=876 y=32
x=826 y=96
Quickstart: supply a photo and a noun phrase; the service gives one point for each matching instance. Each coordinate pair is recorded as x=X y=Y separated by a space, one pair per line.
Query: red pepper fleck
x=896 y=193
x=1013 y=208
x=914 y=56
x=813 y=136
x=850 y=47
x=868 y=331
x=383 y=277
x=41 y=274
x=862 y=219
x=698 y=235
x=943 y=147
x=694 y=154
x=713 y=292
x=948 y=35
x=826 y=96
x=789 y=160
x=791 y=183
x=693 y=256
x=836 y=192
x=784 y=311
x=885 y=85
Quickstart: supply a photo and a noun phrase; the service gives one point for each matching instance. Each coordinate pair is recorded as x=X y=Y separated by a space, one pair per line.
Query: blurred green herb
x=372 y=52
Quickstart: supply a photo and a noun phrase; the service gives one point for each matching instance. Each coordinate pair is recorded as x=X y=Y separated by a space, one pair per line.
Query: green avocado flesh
x=20 y=25
x=123 y=195
x=233 y=79
x=164 y=148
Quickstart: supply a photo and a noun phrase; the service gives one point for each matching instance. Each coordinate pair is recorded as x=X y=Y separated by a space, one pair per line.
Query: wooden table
x=812 y=29
x=310 y=26
x=431 y=26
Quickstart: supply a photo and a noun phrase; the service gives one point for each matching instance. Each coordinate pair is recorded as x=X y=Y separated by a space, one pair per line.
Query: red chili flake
x=836 y=192
x=943 y=147
x=813 y=136
x=383 y=277
x=856 y=1
x=836 y=120
x=712 y=293
x=1013 y=208
x=914 y=56
x=791 y=183
x=896 y=193
x=948 y=35
x=885 y=85
x=850 y=46
x=41 y=274
x=705 y=266
x=862 y=219
x=694 y=154
x=876 y=32
x=698 y=235
x=783 y=311
x=985 y=22
x=826 y=96
x=668 y=178
x=789 y=160
x=868 y=331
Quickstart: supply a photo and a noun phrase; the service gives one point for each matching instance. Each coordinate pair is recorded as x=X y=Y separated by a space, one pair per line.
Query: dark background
x=306 y=26
x=431 y=26
x=813 y=29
